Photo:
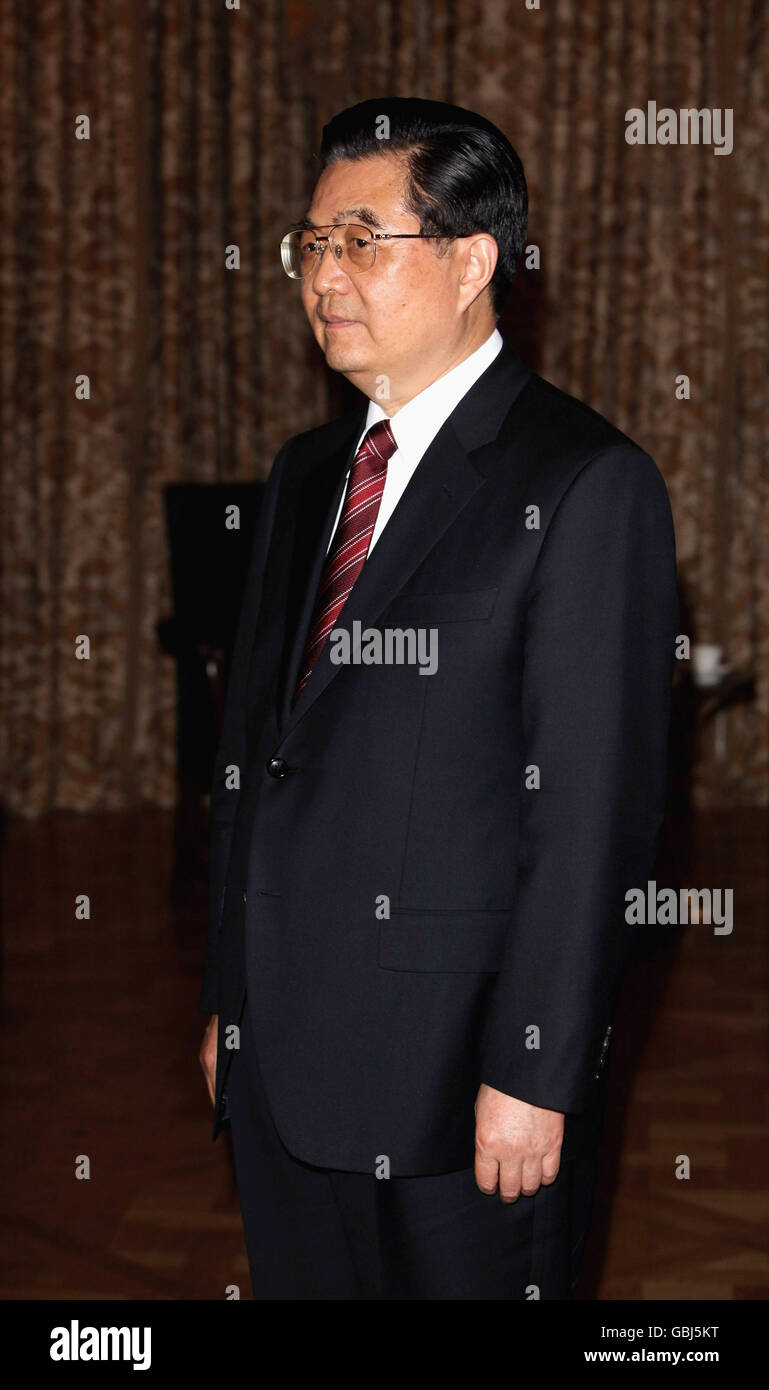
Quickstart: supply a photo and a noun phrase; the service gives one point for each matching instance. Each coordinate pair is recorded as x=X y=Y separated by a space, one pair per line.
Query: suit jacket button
x=277 y=767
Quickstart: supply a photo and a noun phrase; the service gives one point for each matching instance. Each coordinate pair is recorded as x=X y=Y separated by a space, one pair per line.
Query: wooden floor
x=100 y=1034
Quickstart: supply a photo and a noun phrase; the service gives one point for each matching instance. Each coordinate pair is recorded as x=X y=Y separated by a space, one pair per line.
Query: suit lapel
x=442 y=484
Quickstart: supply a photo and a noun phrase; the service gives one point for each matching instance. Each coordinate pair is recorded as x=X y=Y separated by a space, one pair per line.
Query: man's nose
x=327 y=272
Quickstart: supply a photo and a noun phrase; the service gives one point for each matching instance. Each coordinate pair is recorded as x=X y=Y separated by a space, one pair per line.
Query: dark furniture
x=209 y=564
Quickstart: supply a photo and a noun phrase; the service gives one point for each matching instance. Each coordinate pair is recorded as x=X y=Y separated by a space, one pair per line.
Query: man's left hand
x=517 y=1145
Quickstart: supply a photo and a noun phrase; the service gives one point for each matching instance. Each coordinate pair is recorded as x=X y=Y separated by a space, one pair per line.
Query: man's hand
x=517 y=1145
x=208 y=1055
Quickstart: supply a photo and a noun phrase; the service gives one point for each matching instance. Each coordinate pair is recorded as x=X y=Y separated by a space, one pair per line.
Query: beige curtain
x=204 y=121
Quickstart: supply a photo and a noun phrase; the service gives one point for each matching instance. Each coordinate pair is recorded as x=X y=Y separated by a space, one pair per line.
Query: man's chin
x=341 y=359
x=343 y=349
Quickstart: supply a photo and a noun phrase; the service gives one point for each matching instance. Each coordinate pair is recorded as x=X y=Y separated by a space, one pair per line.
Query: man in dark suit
x=443 y=758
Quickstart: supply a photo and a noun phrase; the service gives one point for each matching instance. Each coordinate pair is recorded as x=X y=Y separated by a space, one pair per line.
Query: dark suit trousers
x=318 y=1233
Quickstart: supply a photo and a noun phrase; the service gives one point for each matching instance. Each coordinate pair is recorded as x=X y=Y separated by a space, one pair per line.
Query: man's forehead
x=376 y=185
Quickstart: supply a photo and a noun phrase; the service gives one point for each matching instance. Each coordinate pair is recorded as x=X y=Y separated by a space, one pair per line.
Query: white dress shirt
x=416 y=424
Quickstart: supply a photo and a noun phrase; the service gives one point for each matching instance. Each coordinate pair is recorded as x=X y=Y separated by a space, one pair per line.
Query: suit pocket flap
x=435 y=941
x=426 y=610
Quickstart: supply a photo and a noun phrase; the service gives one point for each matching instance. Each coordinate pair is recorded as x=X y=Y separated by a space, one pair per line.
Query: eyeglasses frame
x=375 y=237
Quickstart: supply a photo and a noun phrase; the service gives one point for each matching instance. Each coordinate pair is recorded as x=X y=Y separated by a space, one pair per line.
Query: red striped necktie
x=349 y=548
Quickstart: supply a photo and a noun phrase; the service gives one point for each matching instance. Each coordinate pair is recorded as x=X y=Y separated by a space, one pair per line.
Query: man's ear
x=478 y=259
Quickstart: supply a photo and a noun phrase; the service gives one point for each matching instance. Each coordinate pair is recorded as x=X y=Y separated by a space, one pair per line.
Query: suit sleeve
x=231 y=748
x=598 y=663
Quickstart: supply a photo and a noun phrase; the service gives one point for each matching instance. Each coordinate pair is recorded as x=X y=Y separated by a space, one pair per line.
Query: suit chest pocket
x=431 y=610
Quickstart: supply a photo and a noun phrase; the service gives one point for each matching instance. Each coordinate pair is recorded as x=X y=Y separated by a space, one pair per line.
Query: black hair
x=463 y=175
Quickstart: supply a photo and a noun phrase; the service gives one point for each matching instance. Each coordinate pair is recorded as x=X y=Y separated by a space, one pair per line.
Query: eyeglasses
x=353 y=247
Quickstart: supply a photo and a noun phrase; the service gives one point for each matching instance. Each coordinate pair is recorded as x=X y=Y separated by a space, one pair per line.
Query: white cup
x=708 y=663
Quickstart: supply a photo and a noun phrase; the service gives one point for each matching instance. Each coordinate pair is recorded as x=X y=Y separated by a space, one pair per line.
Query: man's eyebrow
x=365 y=215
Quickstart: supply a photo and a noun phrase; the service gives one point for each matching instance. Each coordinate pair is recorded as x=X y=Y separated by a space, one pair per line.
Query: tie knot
x=379 y=443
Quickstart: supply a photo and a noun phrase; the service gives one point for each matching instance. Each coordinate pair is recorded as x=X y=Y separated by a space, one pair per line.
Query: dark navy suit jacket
x=420 y=879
